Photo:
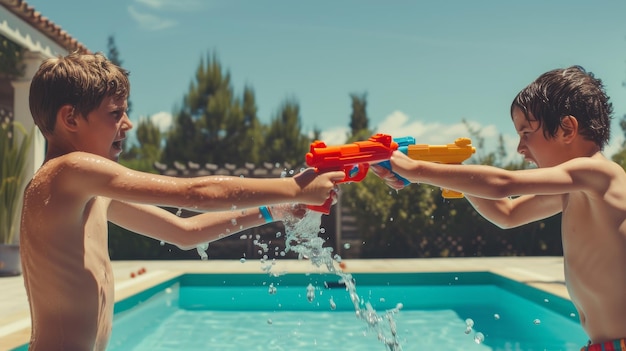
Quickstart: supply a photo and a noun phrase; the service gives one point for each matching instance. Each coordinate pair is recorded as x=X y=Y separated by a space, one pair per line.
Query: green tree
x=213 y=124
x=147 y=151
x=359 y=121
x=11 y=56
x=285 y=141
x=113 y=54
x=251 y=141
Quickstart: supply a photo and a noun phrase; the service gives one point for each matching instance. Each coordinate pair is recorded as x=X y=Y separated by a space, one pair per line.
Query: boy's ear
x=67 y=118
x=569 y=126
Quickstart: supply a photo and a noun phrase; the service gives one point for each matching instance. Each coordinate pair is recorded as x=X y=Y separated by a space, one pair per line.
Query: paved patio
x=544 y=273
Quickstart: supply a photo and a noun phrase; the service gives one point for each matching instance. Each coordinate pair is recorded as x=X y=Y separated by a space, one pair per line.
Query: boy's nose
x=127 y=124
x=520 y=148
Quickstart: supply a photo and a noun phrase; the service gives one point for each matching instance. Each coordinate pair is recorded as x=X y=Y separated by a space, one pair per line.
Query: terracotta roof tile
x=44 y=25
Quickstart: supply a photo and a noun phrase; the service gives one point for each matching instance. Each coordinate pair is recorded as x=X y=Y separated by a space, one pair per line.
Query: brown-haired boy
x=563 y=122
x=79 y=103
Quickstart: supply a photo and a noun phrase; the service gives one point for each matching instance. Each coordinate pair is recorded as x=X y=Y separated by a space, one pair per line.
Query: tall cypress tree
x=213 y=125
x=284 y=140
x=113 y=54
x=359 y=122
x=251 y=141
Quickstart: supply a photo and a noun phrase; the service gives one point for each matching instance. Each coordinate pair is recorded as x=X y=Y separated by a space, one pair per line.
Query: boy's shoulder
x=76 y=162
x=595 y=167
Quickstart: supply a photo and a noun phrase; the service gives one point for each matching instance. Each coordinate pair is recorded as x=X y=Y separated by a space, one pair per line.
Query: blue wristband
x=265 y=212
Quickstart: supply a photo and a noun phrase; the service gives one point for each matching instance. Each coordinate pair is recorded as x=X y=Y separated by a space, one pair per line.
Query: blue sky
x=425 y=65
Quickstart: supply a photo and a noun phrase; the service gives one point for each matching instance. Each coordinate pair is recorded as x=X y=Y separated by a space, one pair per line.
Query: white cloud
x=149 y=21
x=398 y=124
x=335 y=136
x=177 y=5
x=163 y=120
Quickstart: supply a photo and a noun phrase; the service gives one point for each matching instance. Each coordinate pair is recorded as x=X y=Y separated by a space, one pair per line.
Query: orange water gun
x=353 y=159
x=455 y=153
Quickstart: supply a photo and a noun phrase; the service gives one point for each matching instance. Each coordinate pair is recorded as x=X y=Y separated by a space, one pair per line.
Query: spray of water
x=302 y=238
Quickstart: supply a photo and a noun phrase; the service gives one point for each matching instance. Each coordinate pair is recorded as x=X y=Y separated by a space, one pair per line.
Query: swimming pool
x=263 y=312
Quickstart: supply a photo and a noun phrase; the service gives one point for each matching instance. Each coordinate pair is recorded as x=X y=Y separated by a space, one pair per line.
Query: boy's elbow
x=185 y=242
x=185 y=238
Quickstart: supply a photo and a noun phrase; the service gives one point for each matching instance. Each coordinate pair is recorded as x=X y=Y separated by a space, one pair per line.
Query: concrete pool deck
x=545 y=273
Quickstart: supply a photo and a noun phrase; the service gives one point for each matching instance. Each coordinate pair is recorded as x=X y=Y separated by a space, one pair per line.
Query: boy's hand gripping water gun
x=456 y=153
x=353 y=159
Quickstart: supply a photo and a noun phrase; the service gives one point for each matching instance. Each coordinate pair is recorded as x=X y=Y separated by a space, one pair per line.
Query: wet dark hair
x=568 y=92
x=80 y=80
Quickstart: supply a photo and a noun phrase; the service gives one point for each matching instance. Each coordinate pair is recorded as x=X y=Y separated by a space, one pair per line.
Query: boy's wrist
x=266 y=214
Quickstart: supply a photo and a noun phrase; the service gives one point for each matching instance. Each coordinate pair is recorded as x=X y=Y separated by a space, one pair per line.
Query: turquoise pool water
x=263 y=312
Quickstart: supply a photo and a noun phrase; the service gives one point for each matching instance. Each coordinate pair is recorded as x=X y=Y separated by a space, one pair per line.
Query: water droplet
x=572 y=314
x=162 y=243
x=243 y=237
x=269 y=321
x=469 y=322
x=468 y=330
x=179 y=212
x=233 y=221
x=272 y=289
x=278 y=234
x=242 y=260
x=346 y=246
x=310 y=292
x=322 y=230
x=496 y=316
x=479 y=338
x=201 y=249
x=546 y=300
x=333 y=305
x=537 y=321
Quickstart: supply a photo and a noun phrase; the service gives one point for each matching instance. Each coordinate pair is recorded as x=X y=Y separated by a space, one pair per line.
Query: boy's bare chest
x=586 y=223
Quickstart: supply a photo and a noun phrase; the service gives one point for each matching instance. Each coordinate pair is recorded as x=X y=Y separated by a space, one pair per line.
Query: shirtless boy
x=563 y=121
x=79 y=103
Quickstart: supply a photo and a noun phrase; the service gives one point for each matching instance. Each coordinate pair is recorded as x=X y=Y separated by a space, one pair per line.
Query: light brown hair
x=79 y=80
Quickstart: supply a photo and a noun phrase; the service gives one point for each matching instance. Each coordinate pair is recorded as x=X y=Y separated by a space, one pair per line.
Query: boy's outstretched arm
x=83 y=175
x=538 y=193
x=509 y=213
x=187 y=233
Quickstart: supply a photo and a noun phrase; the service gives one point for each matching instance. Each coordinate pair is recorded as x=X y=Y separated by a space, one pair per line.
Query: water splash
x=301 y=237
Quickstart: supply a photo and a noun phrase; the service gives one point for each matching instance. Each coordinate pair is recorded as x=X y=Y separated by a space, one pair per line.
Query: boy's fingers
x=336 y=176
x=381 y=171
x=396 y=184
